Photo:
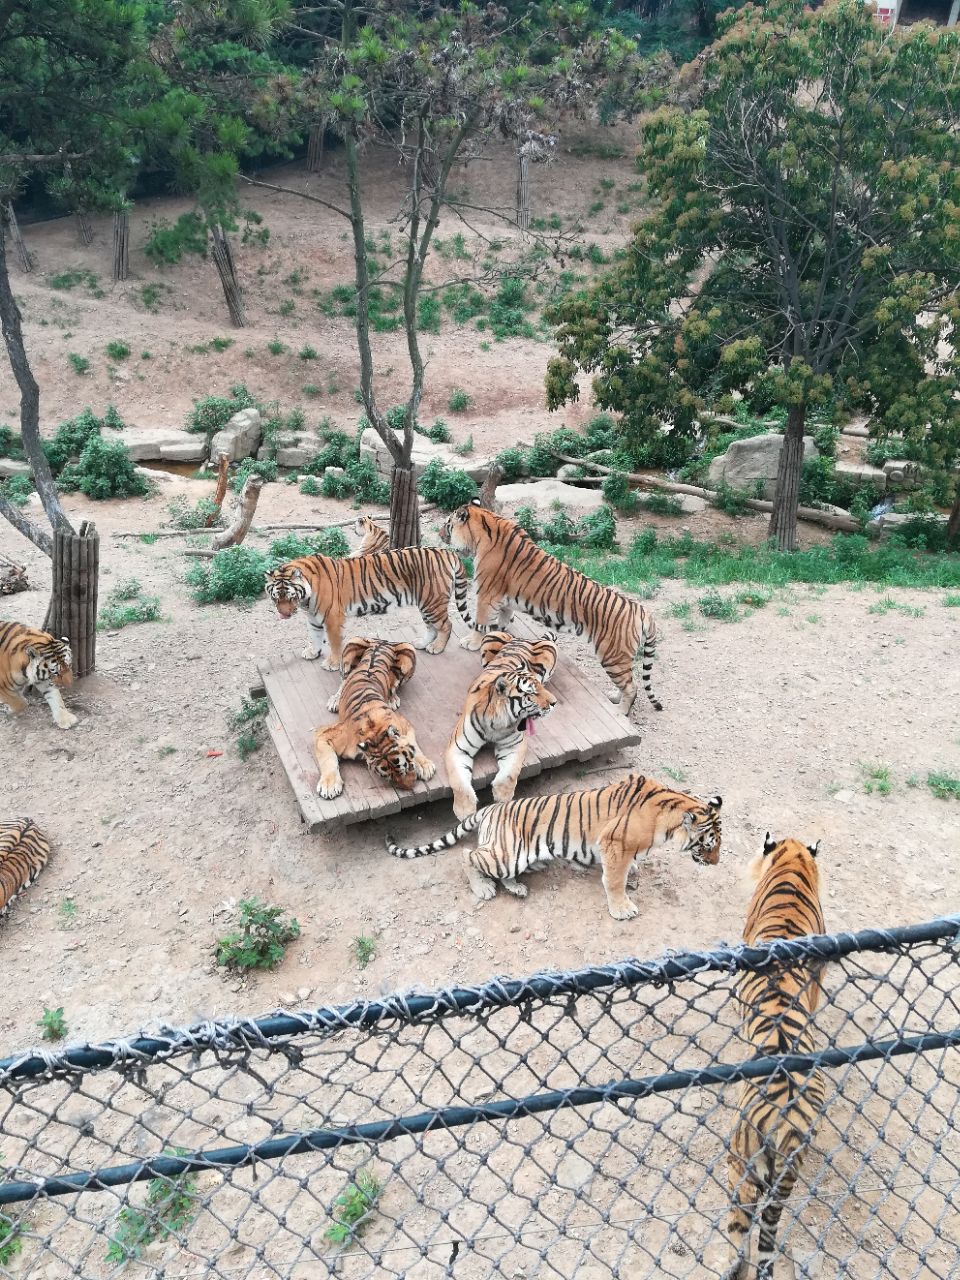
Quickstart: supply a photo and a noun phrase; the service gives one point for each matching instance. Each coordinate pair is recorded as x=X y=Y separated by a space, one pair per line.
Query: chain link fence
x=567 y=1125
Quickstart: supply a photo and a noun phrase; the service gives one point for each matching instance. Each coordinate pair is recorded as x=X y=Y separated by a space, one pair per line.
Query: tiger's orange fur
x=369 y=724
x=24 y=851
x=372 y=537
x=511 y=571
x=32 y=659
x=778 y=1116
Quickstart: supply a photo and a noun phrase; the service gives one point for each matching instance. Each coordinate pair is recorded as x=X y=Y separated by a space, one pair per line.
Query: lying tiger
x=614 y=825
x=372 y=537
x=500 y=709
x=24 y=851
x=331 y=590
x=369 y=725
x=778 y=1116
x=511 y=571
x=32 y=659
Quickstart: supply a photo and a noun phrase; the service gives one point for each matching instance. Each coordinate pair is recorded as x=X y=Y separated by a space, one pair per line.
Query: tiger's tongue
x=528 y=726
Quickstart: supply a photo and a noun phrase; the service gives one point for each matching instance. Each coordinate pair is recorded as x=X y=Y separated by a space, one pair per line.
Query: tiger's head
x=390 y=753
x=701 y=832
x=784 y=856
x=50 y=663
x=470 y=527
x=526 y=698
x=539 y=656
x=287 y=587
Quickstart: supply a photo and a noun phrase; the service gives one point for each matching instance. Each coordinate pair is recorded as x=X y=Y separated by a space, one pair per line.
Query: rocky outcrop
x=240 y=438
x=542 y=494
x=163 y=444
x=754 y=459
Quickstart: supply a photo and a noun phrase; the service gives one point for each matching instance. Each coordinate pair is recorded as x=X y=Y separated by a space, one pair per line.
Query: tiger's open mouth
x=286 y=608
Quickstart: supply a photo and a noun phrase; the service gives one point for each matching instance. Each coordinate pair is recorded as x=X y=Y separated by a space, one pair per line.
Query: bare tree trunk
x=223 y=260
x=786 y=497
x=315 y=149
x=29 y=420
x=23 y=254
x=121 y=244
x=404 y=509
x=84 y=229
x=223 y=468
x=488 y=489
x=244 y=511
x=523 y=189
x=73 y=605
x=953 y=524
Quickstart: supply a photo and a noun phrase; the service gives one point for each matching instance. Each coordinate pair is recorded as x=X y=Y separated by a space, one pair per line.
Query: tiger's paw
x=515 y=887
x=464 y=806
x=309 y=654
x=438 y=645
x=473 y=641
x=425 y=769
x=624 y=910
x=616 y=696
x=66 y=720
x=329 y=790
x=333 y=704
x=328 y=664
x=483 y=888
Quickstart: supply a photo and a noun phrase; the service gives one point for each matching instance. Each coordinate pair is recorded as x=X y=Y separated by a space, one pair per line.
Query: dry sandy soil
x=780 y=713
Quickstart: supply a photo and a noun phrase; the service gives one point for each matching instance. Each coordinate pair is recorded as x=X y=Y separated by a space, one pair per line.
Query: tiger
x=615 y=825
x=35 y=659
x=369 y=724
x=331 y=590
x=511 y=571
x=24 y=851
x=373 y=538
x=778 y=1115
x=500 y=709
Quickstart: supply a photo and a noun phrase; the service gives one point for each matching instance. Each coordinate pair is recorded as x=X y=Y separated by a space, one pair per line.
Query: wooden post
x=73 y=603
x=523 y=189
x=244 y=510
x=23 y=255
x=315 y=149
x=223 y=468
x=121 y=239
x=84 y=229
x=404 y=510
x=223 y=260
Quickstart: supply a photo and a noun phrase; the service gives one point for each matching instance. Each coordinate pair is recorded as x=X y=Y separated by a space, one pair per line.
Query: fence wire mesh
x=566 y=1125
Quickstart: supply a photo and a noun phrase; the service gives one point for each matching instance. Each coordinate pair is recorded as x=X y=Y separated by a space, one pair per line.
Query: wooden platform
x=584 y=724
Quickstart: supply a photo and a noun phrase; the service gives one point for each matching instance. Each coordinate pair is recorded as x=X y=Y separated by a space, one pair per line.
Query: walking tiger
x=32 y=659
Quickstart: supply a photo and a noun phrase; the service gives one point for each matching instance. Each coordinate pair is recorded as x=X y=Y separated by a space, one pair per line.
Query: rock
x=542 y=494
x=163 y=444
x=570 y=471
x=902 y=474
x=862 y=474
x=240 y=438
x=757 y=458
x=690 y=504
x=9 y=467
x=333 y=471
x=424 y=452
x=152 y=476
x=892 y=520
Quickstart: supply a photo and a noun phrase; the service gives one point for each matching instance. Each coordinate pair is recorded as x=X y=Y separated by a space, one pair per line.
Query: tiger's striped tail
x=646 y=654
x=460 y=591
x=444 y=842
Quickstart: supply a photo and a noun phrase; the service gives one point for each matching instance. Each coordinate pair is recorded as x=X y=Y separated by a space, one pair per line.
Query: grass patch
x=260 y=939
x=127 y=604
x=889 y=605
x=118 y=350
x=79 y=364
x=944 y=786
x=364 y=949
x=238 y=572
x=249 y=722
x=876 y=778
x=10 y=1242
x=52 y=1024
x=459 y=400
x=211 y=413
x=170 y=1207
x=714 y=605
x=353 y=1207
x=951 y=602
x=662 y=504
x=185 y=516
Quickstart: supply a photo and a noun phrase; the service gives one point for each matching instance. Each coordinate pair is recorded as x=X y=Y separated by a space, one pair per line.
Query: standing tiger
x=32 y=659
x=372 y=537
x=24 y=851
x=511 y=571
x=778 y=1115
x=614 y=825
x=500 y=709
x=331 y=590
x=369 y=724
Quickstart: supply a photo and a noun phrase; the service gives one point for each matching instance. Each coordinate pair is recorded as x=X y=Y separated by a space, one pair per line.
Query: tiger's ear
x=462 y=514
x=31 y=652
x=813 y=849
x=362 y=746
x=715 y=802
x=393 y=732
x=769 y=843
x=501 y=685
x=296 y=574
x=475 y=502
x=688 y=821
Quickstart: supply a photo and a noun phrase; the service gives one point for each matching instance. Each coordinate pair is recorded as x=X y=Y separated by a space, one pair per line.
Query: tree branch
x=289 y=191
x=39 y=537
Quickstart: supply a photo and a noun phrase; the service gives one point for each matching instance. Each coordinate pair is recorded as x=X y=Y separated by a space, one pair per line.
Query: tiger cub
x=500 y=709
x=24 y=851
x=373 y=538
x=512 y=572
x=370 y=726
x=331 y=590
x=778 y=1115
x=34 y=659
x=614 y=825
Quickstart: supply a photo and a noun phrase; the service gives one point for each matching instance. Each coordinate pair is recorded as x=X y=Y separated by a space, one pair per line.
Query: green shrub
x=328 y=542
x=359 y=481
x=662 y=504
x=597 y=529
x=127 y=604
x=820 y=483
x=185 y=516
x=170 y=1207
x=512 y=463
x=559 y=529
x=465 y=448
x=825 y=437
x=428 y=313
x=459 y=401
x=339 y=450
x=70 y=438
x=448 y=488
x=252 y=467
x=439 y=433
x=249 y=721
x=168 y=242
x=260 y=939
x=526 y=518
x=309 y=488
x=617 y=491
x=118 y=350
x=944 y=786
x=11 y=445
x=80 y=364
x=353 y=1207
x=233 y=574
x=17 y=489
x=103 y=470
x=732 y=501
x=508 y=310
x=886 y=450
x=211 y=413
x=10 y=1242
x=714 y=605
x=307 y=353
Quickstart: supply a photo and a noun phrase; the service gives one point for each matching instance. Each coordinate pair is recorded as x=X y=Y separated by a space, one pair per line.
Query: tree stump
x=488 y=490
x=404 y=510
x=23 y=254
x=73 y=603
x=121 y=244
x=223 y=260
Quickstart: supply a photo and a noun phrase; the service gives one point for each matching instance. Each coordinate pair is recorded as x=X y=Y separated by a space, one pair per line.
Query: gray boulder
x=757 y=458
x=240 y=438
x=862 y=474
x=9 y=467
x=163 y=444
x=542 y=494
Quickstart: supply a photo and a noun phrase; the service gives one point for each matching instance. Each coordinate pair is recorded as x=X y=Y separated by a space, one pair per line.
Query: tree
x=803 y=246
x=67 y=67
x=434 y=84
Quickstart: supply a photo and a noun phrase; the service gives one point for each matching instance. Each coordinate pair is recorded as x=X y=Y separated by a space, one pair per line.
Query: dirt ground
x=781 y=713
